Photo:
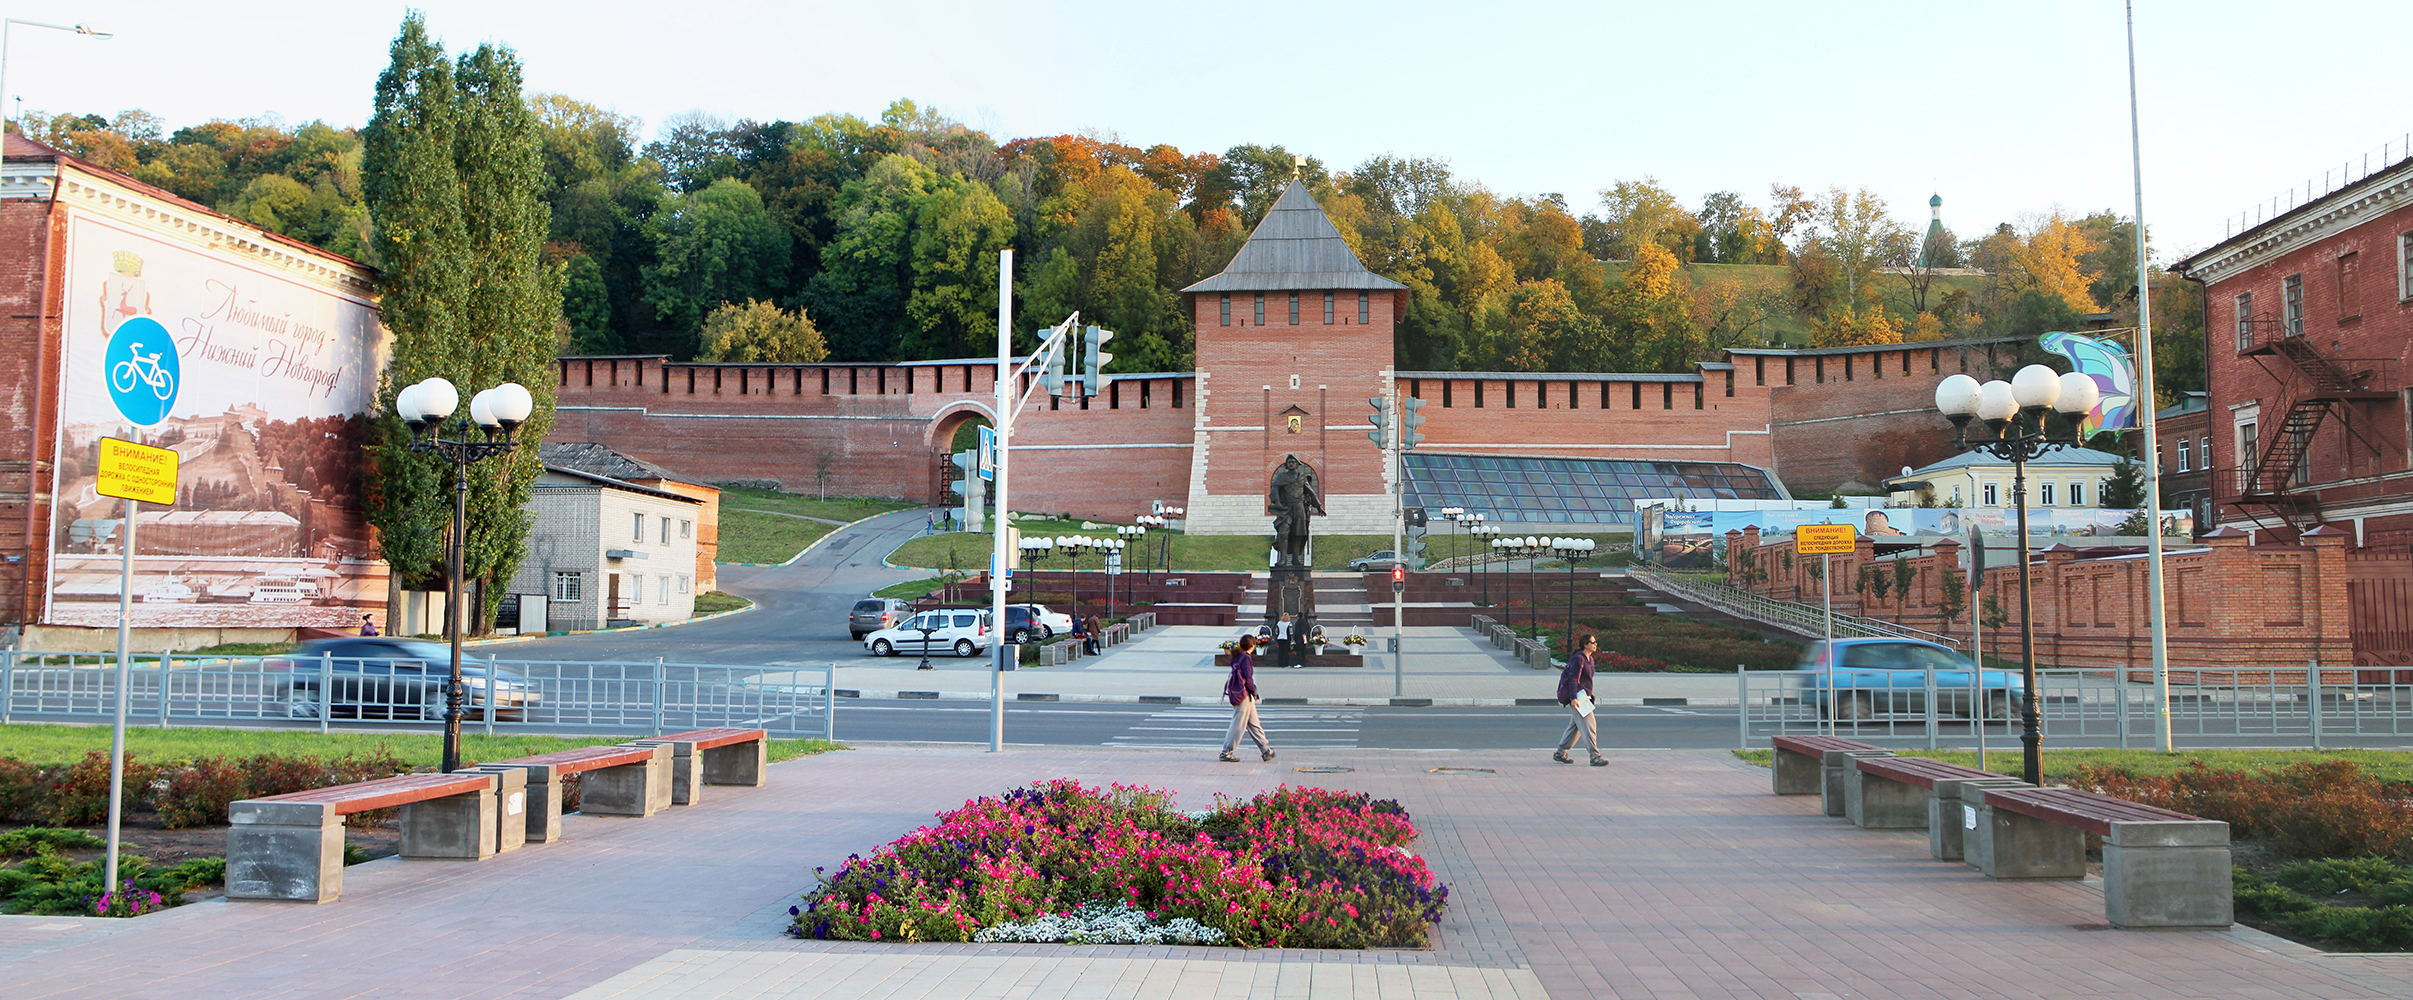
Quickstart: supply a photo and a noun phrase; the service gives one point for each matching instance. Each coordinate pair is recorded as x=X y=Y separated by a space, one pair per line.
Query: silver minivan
x=962 y=631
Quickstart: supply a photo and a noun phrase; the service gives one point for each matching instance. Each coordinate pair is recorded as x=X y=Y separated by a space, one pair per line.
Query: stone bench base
x=2005 y=844
x=1836 y=778
x=2172 y=874
x=1948 y=823
x=294 y=851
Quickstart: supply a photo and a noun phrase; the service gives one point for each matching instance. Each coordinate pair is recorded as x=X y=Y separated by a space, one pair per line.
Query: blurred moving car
x=1890 y=675
x=872 y=614
x=1372 y=561
x=1037 y=619
x=397 y=679
x=964 y=631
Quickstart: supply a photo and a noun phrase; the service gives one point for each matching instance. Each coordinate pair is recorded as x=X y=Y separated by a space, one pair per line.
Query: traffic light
x=1399 y=577
x=1415 y=543
x=1415 y=516
x=1381 y=434
x=1055 y=365
x=1094 y=359
x=1410 y=419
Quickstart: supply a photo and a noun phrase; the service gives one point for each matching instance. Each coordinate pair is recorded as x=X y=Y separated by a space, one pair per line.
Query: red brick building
x=1294 y=336
x=2310 y=394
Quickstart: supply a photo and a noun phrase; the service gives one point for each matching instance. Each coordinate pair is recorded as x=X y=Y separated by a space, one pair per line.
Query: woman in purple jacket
x=1241 y=690
x=1575 y=692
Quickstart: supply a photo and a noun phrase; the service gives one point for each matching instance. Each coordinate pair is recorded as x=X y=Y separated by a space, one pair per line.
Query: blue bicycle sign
x=143 y=370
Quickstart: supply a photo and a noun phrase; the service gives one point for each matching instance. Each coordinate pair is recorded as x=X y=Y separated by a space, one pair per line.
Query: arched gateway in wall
x=1292 y=338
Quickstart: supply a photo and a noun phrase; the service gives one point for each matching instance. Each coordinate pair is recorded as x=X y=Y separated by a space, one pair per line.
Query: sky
x=2007 y=110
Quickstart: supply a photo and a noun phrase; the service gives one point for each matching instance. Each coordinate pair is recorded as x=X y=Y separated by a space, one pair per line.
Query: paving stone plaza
x=1670 y=874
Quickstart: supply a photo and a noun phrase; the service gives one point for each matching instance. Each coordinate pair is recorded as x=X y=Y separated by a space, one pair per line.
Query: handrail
x=1804 y=619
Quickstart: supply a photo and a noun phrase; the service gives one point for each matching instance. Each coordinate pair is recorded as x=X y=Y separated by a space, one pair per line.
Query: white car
x=964 y=632
x=1057 y=622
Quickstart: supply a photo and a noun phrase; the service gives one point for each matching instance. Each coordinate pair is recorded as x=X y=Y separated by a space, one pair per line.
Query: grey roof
x=1295 y=248
x=2058 y=457
x=611 y=483
x=596 y=460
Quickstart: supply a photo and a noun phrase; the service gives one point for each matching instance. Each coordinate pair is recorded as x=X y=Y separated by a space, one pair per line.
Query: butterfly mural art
x=2115 y=378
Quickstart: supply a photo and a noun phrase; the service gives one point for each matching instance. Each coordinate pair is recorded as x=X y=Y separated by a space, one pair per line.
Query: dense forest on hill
x=874 y=240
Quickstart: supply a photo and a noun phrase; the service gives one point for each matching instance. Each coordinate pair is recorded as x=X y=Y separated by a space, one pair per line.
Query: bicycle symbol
x=143 y=368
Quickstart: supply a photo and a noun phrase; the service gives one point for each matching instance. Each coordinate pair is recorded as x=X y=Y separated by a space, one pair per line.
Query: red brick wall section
x=2230 y=605
x=1249 y=370
x=1678 y=418
x=1848 y=421
x=29 y=367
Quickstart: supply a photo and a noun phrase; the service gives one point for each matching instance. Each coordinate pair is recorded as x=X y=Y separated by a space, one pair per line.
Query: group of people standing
x=1574 y=694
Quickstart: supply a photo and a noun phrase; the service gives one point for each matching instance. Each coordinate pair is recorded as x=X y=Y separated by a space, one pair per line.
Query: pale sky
x=2004 y=109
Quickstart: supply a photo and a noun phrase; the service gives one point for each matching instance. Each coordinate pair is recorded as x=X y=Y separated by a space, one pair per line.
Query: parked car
x=872 y=614
x=964 y=631
x=397 y=679
x=1043 y=623
x=1890 y=675
x=1384 y=559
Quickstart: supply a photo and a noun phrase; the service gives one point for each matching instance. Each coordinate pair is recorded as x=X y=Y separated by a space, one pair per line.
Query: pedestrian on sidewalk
x=1575 y=692
x=1092 y=641
x=1284 y=645
x=1241 y=690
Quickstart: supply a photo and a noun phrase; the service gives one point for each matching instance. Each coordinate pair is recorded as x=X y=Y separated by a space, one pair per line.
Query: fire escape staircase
x=2267 y=492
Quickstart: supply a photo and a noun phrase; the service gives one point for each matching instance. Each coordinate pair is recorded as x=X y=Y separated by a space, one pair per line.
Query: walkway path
x=1668 y=875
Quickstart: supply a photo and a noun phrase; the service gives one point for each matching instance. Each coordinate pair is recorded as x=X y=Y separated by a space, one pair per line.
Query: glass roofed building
x=1543 y=490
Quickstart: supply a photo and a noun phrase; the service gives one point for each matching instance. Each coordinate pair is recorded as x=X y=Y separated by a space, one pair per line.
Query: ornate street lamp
x=1074 y=545
x=2012 y=426
x=1573 y=550
x=1486 y=546
x=1450 y=514
x=423 y=408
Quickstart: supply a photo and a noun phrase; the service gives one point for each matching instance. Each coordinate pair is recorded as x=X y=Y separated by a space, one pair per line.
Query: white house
x=605 y=551
x=2061 y=477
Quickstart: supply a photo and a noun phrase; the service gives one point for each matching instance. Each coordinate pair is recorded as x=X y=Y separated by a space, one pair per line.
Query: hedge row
x=183 y=795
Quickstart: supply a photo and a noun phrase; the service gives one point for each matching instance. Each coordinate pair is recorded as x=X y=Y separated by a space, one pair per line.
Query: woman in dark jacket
x=1241 y=690
x=1574 y=686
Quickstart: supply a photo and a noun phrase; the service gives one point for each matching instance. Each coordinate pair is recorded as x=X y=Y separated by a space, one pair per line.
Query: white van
x=963 y=631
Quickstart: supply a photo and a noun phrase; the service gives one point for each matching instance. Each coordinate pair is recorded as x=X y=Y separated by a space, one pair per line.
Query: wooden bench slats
x=385 y=793
x=2088 y=811
x=585 y=758
x=1920 y=771
x=1817 y=746
x=708 y=739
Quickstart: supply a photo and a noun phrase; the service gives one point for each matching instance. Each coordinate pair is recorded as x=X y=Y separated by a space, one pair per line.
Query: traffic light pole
x=1000 y=559
x=1399 y=554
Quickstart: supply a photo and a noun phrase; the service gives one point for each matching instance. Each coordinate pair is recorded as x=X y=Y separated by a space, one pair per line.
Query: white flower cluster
x=1100 y=923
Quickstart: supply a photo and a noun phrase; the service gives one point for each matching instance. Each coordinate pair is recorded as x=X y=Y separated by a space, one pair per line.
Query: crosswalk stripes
x=1205 y=725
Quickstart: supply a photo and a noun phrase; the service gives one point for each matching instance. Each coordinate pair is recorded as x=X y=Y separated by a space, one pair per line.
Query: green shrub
x=20 y=843
x=2312 y=809
x=78 y=794
x=2330 y=876
x=20 y=788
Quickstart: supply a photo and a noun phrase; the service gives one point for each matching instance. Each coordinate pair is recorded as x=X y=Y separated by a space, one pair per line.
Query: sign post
x=1824 y=541
x=132 y=473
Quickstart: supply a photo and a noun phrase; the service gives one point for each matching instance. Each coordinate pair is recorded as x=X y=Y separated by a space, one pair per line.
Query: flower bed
x=1294 y=867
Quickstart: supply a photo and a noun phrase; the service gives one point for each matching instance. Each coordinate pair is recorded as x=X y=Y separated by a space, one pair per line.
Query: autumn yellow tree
x=2049 y=260
x=760 y=331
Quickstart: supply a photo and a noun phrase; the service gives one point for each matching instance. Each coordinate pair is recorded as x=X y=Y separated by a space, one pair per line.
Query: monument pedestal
x=1292 y=593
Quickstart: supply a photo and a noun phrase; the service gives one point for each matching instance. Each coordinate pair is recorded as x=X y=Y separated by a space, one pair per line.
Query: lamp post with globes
x=2012 y=425
x=1450 y=514
x=1074 y=545
x=1484 y=549
x=423 y=408
x=9 y=24
x=1573 y=550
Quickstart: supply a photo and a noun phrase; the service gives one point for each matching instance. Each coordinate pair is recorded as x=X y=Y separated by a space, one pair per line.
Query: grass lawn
x=50 y=745
x=2393 y=766
x=840 y=509
x=719 y=601
x=911 y=589
x=765 y=539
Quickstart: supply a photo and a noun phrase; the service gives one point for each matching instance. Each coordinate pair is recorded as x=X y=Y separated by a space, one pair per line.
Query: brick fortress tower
x=1293 y=337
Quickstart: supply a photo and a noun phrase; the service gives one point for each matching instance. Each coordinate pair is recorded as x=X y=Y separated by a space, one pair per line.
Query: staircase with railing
x=2269 y=492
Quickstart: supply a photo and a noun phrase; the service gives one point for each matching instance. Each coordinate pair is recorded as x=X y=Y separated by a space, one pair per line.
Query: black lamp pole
x=462 y=450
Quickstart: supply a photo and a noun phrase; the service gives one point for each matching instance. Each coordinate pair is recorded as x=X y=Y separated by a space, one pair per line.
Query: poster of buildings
x=271 y=375
x=1696 y=539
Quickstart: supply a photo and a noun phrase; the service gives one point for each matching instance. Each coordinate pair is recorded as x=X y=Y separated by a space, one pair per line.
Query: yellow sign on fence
x=1823 y=539
x=130 y=471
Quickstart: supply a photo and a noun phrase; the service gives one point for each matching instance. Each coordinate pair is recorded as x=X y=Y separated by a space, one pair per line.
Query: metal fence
x=332 y=692
x=2093 y=708
x=1801 y=618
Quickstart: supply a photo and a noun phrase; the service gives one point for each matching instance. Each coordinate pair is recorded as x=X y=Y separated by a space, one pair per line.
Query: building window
x=638 y=535
x=686 y=529
x=569 y=588
x=1327 y=308
x=636 y=589
x=1365 y=304
x=2349 y=275
x=2245 y=322
x=1294 y=308
x=1956 y=496
x=685 y=582
x=665 y=531
x=2249 y=447
x=1226 y=308
x=2404 y=266
x=1260 y=318
x=2183 y=464
x=1992 y=498
x=2292 y=298
x=661 y=590
x=2044 y=494
x=2206 y=452
x=2077 y=494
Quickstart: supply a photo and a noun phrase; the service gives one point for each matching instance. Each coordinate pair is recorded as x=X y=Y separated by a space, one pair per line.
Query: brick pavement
x=1667 y=875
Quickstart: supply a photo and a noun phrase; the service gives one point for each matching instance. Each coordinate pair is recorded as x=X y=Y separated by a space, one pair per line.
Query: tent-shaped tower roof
x=1295 y=248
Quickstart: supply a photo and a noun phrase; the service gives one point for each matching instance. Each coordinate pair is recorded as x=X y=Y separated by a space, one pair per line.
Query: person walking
x=1575 y=692
x=1241 y=690
x=368 y=625
x=1284 y=645
x=1092 y=641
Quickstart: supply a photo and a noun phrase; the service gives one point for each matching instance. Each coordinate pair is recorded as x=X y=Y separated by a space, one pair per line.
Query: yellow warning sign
x=132 y=471
x=1823 y=539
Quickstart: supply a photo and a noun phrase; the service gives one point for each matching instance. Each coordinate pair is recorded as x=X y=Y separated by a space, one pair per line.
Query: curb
x=1168 y=699
x=510 y=639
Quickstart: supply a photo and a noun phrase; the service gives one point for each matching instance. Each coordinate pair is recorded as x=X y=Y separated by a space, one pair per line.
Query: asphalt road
x=799 y=615
x=1289 y=726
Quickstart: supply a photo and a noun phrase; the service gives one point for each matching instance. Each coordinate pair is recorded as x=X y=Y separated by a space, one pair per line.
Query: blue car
x=1890 y=675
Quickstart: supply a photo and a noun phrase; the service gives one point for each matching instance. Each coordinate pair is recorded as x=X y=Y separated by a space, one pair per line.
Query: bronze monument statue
x=1292 y=497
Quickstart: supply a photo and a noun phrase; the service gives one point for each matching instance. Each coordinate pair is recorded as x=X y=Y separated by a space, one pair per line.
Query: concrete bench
x=625 y=780
x=1806 y=764
x=2160 y=868
x=1915 y=793
x=291 y=847
x=726 y=756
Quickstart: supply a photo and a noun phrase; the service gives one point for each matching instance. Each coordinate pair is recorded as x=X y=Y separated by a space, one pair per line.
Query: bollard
x=2120 y=690
x=493 y=688
x=326 y=691
x=829 y=703
x=657 y=694
x=2312 y=683
x=167 y=663
x=1931 y=708
x=1742 y=708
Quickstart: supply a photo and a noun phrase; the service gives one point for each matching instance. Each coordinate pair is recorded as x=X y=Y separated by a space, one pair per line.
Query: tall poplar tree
x=452 y=171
